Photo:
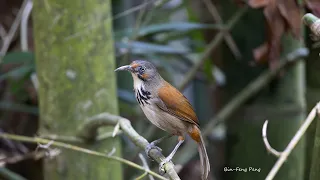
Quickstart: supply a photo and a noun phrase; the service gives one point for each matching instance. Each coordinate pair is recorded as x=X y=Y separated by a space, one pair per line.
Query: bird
x=167 y=108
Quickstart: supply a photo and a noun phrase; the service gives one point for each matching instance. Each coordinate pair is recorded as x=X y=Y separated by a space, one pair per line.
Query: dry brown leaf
x=314 y=6
x=258 y=3
x=281 y=16
x=291 y=13
x=260 y=53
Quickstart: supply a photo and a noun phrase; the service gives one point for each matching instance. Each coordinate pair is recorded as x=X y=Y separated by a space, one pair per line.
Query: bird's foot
x=161 y=166
x=151 y=146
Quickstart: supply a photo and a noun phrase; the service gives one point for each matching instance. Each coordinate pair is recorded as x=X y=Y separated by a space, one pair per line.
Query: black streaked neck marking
x=142 y=96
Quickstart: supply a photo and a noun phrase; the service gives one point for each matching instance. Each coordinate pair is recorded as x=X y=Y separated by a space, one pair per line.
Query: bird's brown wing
x=176 y=104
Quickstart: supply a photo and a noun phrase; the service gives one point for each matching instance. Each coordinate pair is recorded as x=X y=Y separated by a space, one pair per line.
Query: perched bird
x=166 y=108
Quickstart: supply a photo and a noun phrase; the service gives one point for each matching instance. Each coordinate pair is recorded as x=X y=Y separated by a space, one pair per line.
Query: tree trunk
x=75 y=68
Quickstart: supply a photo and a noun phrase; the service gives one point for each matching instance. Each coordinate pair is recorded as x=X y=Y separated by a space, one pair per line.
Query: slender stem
x=12 y=31
x=227 y=36
x=266 y=142
x=294 y=141
x=24 y=25
x=211 y=46
x=77 y=148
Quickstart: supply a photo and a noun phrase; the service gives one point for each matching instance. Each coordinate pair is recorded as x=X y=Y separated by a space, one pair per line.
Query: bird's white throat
x=137 y=83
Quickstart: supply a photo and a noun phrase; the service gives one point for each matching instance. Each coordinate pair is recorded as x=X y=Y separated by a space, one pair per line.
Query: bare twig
x=24 y=25
x=135 y=33
x=116 y=130
x=79 y=149
x=35 y=81
x=211 y=46
x=266 y=142
x=20 y=157
x=3 y=33
x=12 y=31
x=145 y=164
x=122 y=14
x=255 y=86
x=294 y=141
x=252 y=88
x=89 y=129
x=227 y=37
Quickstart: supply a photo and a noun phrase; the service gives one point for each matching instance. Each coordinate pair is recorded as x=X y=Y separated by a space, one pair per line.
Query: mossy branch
x=77 y=148
x=105 y=119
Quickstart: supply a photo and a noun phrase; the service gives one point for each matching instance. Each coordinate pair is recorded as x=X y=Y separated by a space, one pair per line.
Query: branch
x=12 y=31
x=227 y=36
x=145 y=164
x=24 y=25
x=105 y=119
x=294 y=141
x=79 y=149
x=21 y=157
x=313 y=23
x=247 y=92
x=266 y=142
x=211 y=46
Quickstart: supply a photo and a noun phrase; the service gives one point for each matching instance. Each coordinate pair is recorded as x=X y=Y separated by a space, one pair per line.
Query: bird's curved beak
x=124 y=68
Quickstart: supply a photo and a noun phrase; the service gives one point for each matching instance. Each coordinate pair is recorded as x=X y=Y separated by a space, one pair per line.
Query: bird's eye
x=142 y=69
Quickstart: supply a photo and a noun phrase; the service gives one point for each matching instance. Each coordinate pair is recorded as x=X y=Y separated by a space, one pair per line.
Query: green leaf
x=208 y=66
x=10 y=106
x=18 y=72
x=176 y=26
x=18 y=57
x=137 y=47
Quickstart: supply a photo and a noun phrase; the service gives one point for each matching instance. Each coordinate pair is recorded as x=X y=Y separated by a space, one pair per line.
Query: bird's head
x=140 y=69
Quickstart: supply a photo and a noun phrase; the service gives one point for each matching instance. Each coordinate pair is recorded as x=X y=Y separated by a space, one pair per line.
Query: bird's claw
x=151 y=146
x=161 y=165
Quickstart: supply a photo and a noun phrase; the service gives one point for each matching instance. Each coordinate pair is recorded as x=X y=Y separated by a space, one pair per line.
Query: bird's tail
x=204 y=160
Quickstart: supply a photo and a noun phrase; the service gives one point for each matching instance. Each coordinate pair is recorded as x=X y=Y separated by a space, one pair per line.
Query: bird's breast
x=158 y=117
x=164 y=120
